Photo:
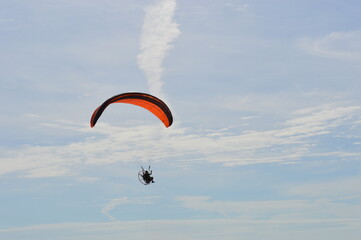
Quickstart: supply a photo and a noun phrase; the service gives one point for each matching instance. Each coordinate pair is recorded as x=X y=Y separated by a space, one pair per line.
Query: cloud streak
x=159 y=31
x=210 y=229
x=342 y=45
x=124 y=200
x=111 y=205
x=275 y=209
x=293 y=140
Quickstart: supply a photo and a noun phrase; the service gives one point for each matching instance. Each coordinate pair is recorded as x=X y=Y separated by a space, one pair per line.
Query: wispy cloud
x=88 y=179
x=6 y=20
x=210 y=229
x=336 y=189
x=238 y=7
x=47 y=171
x=343 y=45
x=283 y=103
x=159 y=30
x=287 y=142
x=275 y=209
x=111 y=205
x=242 y=208
x=124 y=200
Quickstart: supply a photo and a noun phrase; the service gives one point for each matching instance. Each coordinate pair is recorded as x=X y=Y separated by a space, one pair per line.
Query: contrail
x=159 y=30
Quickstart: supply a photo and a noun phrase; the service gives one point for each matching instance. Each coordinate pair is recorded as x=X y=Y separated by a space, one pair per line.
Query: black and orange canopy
x=144 y=100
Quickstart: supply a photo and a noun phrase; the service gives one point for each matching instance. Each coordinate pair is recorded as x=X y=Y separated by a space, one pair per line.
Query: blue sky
x=266 y=140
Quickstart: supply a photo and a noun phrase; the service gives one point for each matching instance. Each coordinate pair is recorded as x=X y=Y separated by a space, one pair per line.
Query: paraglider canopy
x=144 y=100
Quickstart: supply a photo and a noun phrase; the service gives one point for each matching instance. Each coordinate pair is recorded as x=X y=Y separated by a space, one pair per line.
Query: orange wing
x=144 y=100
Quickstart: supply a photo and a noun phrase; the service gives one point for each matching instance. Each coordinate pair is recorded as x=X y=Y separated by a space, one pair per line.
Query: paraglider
x=145 y=177
x=149 y=102
x=144 y=100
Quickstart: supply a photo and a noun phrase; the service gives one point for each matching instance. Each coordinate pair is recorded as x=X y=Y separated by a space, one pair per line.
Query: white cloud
x=32 y=116
x=275 y=209
x=285 y=143
x=159 y=30
x=343 y=45
x=283 y=103
x=48 y=171
x=324 y=117
x=88 y=179
x=193 y=229
x=111 y=205
x=125 y=200
x=6 y=20
x=249 y=209
x=337 y=189
x=37 y=161
x=238 y=7
x=243 y=7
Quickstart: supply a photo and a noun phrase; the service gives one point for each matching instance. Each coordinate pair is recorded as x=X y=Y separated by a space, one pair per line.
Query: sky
x=265 y=95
